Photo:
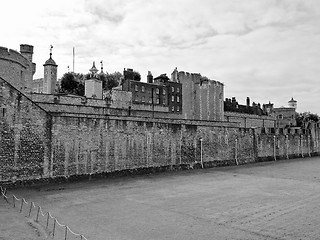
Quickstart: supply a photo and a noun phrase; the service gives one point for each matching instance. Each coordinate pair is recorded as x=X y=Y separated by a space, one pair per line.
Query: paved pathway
x=273 y=200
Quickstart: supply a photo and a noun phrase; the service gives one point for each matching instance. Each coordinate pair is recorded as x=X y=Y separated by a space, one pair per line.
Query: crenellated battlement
x=197 y=78
x=14 y=56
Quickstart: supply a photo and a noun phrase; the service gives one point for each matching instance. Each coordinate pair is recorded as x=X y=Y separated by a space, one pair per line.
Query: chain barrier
x=50 y=223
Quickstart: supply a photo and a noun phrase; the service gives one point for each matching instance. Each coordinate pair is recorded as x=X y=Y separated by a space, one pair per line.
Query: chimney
x=149 y=77
x=248 y=102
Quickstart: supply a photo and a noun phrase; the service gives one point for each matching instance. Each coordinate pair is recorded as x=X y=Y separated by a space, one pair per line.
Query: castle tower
x=50 y=75
x=26 y=51
x=93 y=85
x=292 y=103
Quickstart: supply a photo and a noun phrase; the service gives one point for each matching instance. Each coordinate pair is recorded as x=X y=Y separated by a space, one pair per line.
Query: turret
x=50 y=75
x=292 y=103
x=26 y=51
x=93 y=85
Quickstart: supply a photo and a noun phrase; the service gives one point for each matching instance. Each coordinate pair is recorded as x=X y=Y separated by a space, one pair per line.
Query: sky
x=268 y=50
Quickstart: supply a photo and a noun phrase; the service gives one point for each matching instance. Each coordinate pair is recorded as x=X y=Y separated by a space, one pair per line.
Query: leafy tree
x=72 y=83
x=136 y=76
x=110 y=80
x=306 y=117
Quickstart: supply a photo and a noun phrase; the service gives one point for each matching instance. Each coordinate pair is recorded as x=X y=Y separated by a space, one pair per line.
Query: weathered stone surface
x=37 y=145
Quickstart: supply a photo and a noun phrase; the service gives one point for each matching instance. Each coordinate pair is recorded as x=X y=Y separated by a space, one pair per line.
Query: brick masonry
x=35 y=144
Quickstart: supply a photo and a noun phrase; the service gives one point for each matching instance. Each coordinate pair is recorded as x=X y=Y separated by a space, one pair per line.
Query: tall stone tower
x=26 y=50
x=50 y=75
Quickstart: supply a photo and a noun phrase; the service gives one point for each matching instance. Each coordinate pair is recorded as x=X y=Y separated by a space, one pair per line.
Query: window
x=178 y=98
x=178 y=109
x=178 y=90
x=3 y=112
x=143 y=99
x=136 y=99
x=136 y=88
x=280 y=116
x=172 y=98
x=158 y=101
x=142 y=89
x=164 y=92
x=172 y=89
x=172 y=109
x=157 y=90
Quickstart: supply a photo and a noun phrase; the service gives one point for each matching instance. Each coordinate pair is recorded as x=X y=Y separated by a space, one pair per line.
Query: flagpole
x=73 y=59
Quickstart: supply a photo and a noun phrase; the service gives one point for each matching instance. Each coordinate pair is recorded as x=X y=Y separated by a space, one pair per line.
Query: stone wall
x=25 y=136
x=16 y=69
x=35 y=144
x=250 y=120
x=88 y=146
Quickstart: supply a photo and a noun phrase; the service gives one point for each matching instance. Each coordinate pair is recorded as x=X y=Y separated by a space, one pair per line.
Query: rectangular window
x=3 y=112
x=157 y=90
x=178 y=90
x=172 y=109
x=172 y=89
x=164 y=92
x=178 y=109
x=172 y=98
x=136 y=88
x=158 y=101
x=142 y=89
x=178 y=99
x=143 y=99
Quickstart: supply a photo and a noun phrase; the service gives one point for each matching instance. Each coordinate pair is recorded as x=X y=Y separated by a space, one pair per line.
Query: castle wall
x=250 y=120
x=25 y=136
x=35 y=144
x=16 y=69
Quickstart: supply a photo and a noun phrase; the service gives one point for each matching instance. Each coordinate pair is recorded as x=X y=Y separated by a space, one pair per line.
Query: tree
x=304 y=118
x=72 y=83
x=111 y=80
x=136 y=76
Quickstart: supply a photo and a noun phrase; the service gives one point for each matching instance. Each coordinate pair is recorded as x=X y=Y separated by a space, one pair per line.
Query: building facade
x=160 y=92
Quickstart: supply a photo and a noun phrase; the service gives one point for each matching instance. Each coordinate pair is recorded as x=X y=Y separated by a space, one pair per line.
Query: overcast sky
x=268 y=50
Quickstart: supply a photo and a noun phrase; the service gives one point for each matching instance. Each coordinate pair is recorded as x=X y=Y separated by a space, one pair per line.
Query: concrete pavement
x=271 y=200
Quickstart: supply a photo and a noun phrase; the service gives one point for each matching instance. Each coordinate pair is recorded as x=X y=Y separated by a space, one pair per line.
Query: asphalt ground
x=270 y=200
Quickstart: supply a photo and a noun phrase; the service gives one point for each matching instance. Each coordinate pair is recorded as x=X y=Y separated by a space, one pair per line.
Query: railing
x=53 y=227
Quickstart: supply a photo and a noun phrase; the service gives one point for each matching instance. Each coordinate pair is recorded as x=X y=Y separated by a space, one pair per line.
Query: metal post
x=30 y=209
x=54 y=227
x=309 y=145
x=47 y=220
x=201 y=152
x=274 y=148
x=301 y=143
x=236 y=151
x=37 y=218
x=287 y=144
x=65 y=233
x=21 y=205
